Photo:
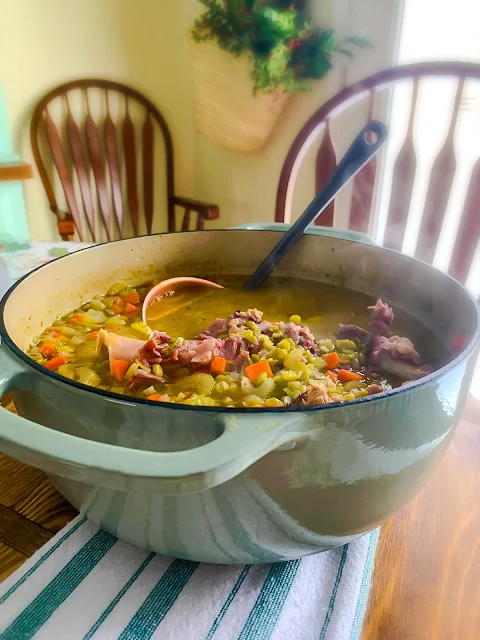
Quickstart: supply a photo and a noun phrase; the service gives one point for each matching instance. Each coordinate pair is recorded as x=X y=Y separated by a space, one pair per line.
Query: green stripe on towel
x=119 y=596
x=57 y=591
x=228 y=602
x=365 y=586
x=159 y=602
x=333 y=597
x=269 y=604
x=39 y=562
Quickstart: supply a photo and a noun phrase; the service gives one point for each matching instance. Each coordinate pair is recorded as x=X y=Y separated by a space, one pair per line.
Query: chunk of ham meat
x=350 y=331
x=200 y=352
x=251 y=314
x=239 y=319
x=387 y=354
x=140 y=377
x=152 y=350
x=381 y=318
x=396 y=356
x=234 y=323
x=399 y=348
x=300 y=335
x=234 y=348
x=316 y=394
x=214 y=330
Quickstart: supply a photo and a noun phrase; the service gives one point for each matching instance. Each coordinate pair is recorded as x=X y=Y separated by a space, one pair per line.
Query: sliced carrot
x=346 y=375
x=118 y=306
x=112 y=327
x=118 y=369
x=254 y=370
x=332 y=360
x=93 y=335
x=57 y=334
x=55 y=363
x=332 y=375
x=77 y=318
x=218 y=366
x=132 y=297
x=154 y=396
x=47 y=350
x=130 y=308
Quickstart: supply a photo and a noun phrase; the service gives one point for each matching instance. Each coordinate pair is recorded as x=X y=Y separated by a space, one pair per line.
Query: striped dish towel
x=85 y=583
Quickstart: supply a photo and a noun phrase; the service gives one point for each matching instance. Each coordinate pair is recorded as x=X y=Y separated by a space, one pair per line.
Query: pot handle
x=10 y=370
x=245 y=439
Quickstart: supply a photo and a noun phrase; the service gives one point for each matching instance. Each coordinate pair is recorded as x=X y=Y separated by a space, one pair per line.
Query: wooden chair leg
x=66 y=229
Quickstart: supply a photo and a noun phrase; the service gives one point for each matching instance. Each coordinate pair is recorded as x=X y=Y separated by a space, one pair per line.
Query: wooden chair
x=105 y=165
x=440 y=181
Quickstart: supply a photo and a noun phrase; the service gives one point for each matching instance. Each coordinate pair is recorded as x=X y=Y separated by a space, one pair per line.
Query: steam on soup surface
x=293 y=342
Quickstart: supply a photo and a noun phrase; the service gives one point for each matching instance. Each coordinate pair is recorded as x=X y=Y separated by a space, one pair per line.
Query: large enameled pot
x=224 y=485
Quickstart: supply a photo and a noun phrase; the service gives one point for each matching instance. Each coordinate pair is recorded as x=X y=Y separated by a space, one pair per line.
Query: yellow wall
x=142 y=43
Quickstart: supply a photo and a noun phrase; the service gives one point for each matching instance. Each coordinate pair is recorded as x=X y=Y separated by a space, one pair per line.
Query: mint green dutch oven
x=225 y=485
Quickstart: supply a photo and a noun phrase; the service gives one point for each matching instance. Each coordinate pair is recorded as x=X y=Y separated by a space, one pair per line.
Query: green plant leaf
x=345 y=52
x=358 y=41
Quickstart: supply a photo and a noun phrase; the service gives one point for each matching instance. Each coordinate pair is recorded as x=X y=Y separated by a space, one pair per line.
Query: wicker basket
x=226 y=111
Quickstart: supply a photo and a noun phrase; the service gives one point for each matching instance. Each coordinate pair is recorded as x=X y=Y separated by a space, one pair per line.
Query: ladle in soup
x=152 y=310
x=363 y=148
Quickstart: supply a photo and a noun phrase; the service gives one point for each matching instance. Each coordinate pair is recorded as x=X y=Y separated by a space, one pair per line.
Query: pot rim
x=5 y=337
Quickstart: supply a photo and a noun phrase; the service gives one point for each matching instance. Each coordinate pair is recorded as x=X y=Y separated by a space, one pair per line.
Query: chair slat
x=363 y=185
x=131 y=168
x=325 y=165
x=468 y=230
x=404 y=171
x=200 y=222
x=186 y=220
x=76 y=149
x=439 y=188
x=55 y=144
x=362 y=197
x=147 y=159
x=111 y=150
x=94 y=150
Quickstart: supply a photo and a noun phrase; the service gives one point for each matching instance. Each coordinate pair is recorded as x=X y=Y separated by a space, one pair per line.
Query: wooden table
x=426 y=582
x=31 y=512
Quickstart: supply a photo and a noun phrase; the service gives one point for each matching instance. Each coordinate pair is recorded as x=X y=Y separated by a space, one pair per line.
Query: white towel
x=85 y=583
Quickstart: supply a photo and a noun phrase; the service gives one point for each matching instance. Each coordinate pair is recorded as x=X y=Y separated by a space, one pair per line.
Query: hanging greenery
x=286 y=50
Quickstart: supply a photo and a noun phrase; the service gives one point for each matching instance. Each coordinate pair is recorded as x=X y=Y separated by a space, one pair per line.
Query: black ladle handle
x=358 y=154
